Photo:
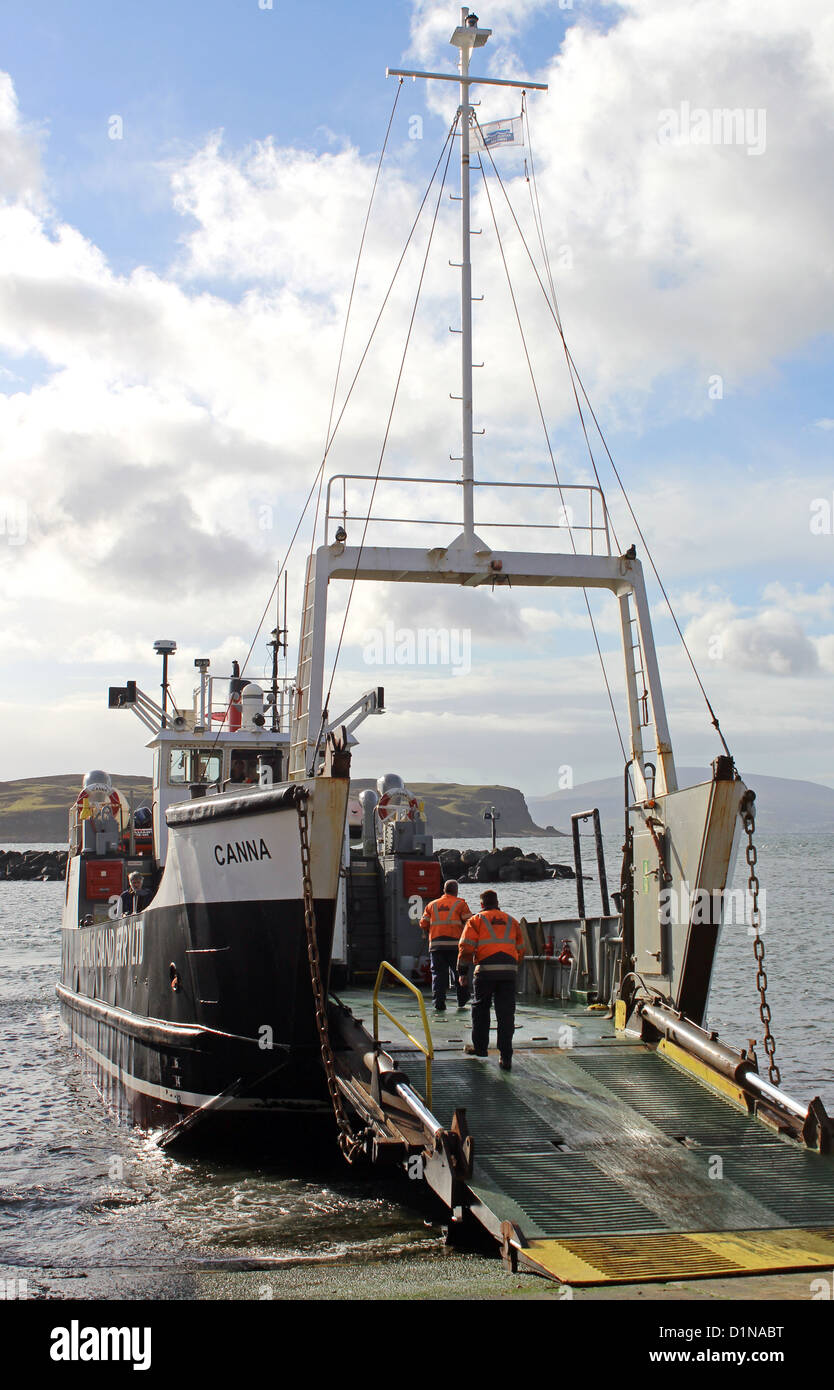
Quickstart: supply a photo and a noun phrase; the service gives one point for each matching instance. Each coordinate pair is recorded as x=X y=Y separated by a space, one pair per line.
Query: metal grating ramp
x=563 y=1194
x=502 y=1122
x=676 y=1103
x=604 y=1165
x=796 y=1184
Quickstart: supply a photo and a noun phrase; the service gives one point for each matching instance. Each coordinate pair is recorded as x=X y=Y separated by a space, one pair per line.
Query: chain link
x=349 y=1143
x=749 y=823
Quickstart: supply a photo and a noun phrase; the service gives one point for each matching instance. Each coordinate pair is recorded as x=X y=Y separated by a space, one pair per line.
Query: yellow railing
x=427 y=1049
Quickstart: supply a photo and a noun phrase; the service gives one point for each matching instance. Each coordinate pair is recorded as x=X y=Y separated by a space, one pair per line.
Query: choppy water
x=78 y=1194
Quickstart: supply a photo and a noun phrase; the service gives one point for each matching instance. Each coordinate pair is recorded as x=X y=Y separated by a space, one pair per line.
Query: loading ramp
x=601 y=1159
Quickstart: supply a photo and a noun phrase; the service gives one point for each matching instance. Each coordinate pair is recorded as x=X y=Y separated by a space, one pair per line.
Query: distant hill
x=36 y=809
x=783 y=805
x=454 y=811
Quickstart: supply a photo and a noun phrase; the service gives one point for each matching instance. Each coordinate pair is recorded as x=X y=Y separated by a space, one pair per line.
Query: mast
x=466 y=37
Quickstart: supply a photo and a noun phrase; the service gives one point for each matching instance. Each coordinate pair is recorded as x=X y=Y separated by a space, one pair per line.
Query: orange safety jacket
x=444 y=920
x=492 y=939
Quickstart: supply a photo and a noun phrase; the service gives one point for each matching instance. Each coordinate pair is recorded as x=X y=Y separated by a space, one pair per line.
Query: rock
x=47 y=866
x=510 y=873
x=451 y=863
x=489 y=865
x=529 y=870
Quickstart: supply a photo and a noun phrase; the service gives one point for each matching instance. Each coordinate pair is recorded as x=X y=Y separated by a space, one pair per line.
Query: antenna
x=467 y=36
x=165 y=647
x=278 y=643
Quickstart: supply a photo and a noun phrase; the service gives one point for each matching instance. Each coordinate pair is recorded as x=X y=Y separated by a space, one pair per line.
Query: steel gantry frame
x=468 y=560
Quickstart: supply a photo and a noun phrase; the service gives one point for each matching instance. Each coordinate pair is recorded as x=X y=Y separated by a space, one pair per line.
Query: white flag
x=509 y=132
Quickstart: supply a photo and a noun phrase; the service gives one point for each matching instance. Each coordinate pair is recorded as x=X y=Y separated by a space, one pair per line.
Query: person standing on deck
x=492 y=939
x=135 y=897
x=444 y=920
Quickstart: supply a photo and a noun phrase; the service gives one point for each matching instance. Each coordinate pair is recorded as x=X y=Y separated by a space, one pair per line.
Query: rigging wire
x=565 y=510
x=554 y=310
x=327 y=440
x=538 y=222
x=320 y=470
x=450 y=142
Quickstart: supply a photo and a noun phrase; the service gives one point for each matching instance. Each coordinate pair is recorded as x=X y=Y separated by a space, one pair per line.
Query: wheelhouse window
x=194 y=765
x=244 y=766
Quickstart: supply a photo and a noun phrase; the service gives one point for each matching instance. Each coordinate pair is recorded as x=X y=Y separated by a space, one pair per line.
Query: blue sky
x=170 y=309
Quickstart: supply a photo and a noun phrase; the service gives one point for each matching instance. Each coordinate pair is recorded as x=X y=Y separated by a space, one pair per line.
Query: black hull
x=241 y=1021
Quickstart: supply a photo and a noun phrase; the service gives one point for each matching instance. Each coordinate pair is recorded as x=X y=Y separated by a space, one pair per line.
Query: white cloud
x=20 y=172
x=175 y=406
x=773 y=642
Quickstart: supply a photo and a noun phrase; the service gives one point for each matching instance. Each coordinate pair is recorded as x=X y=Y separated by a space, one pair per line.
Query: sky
x=183 y=188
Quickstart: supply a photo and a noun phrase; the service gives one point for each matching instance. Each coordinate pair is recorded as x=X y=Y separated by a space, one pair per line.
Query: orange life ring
x=113 y=798
x=385 y=806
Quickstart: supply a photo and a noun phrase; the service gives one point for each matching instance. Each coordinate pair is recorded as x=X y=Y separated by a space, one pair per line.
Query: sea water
x=89 y=1208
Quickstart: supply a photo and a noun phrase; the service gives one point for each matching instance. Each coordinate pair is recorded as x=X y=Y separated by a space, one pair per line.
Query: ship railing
x=218 y=712
x=104 y=829
x=379 y=1008
x=572 y=512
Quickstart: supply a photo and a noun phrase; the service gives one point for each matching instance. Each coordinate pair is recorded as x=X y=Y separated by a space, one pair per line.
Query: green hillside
x=457 y=811
x=35 y=809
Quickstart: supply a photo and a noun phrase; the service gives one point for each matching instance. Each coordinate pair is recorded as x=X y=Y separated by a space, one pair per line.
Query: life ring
x=83 y=798
x=385 y=807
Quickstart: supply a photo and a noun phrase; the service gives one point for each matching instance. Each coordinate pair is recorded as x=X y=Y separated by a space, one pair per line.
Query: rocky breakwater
x=48 y=865
x=509 y=864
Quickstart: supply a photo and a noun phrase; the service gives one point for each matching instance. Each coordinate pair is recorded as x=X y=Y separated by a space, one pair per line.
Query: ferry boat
x=208 y=993
x=196 y=987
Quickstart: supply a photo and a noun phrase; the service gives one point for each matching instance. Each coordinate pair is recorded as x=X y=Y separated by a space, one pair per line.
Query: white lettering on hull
x=113 y=946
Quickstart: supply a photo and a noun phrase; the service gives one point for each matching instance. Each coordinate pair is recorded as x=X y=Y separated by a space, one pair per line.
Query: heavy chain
x=749 y=822
x=350 y=1145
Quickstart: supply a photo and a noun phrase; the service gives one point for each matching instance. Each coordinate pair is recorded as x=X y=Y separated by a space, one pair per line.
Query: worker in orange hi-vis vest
x=443 y=921
x=492 y=939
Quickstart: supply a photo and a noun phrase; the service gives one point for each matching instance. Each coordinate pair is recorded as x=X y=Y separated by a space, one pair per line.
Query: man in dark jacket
x=136 y=896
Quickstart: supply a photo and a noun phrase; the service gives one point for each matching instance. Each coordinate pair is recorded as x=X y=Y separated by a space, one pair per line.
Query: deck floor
x=612 y=1162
